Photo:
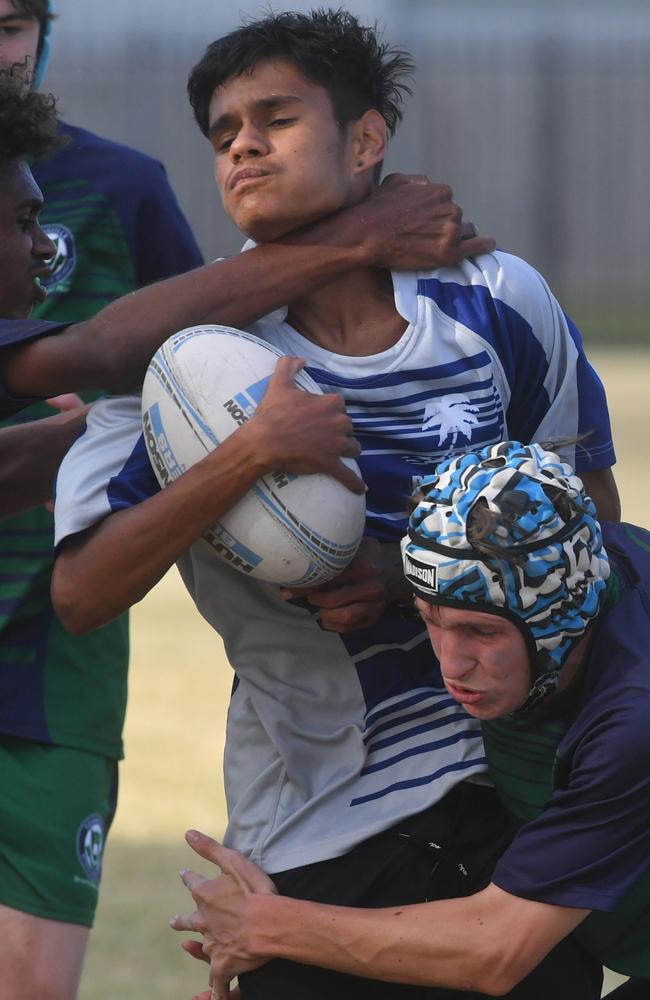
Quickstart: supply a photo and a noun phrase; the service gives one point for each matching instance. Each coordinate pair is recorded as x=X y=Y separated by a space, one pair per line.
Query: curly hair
x=28 y=121
x=329 y=47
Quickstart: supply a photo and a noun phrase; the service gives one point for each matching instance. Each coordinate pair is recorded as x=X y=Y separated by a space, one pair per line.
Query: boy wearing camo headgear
x=540 y=622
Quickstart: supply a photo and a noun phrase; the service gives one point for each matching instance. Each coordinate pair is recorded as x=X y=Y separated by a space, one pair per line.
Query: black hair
x=329 y=47
x=28 y=121
x=38 y=9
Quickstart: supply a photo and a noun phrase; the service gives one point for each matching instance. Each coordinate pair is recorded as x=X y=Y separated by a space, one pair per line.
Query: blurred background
x=537 y=115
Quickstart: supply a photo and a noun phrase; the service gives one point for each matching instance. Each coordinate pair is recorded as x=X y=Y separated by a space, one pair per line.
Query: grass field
x=174 y=739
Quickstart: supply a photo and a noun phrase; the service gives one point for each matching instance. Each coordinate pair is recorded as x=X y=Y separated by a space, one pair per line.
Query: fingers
x=468 y=230
x=474 y=246
x=286 y=370
x=208 y=847
x=187 y=922
x=192 y=880
x=442 y=192
x=66 y=401
x=352 y=448
x=348 y=478
x=220 y=987
x=195 y=949
x=354 y=616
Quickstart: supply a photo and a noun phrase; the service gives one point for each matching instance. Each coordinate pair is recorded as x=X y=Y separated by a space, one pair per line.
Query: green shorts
x=56 y=806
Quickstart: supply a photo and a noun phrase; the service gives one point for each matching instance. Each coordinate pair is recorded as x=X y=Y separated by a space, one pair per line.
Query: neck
x=354 y=315
x=574 y=661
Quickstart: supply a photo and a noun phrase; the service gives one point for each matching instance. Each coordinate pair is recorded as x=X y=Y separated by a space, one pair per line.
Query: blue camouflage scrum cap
x=510 y=531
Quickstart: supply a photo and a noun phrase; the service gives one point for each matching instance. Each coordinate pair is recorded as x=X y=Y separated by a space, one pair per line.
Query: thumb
x=286 y=370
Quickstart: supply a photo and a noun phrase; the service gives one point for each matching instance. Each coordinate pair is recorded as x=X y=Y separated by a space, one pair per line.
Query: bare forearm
x=408 y=224
x=478 y=943
x=113 y=349
x=30 y=454
x=102 y=572
x=232 y=292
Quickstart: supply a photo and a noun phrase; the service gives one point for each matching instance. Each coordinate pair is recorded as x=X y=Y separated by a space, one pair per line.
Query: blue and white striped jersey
x=334 y=738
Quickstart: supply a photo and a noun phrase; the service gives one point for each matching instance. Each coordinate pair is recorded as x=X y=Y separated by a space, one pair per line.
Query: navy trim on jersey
x=136 y=481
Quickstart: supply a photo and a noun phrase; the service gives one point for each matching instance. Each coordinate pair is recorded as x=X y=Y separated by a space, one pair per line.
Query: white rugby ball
x=201 y=385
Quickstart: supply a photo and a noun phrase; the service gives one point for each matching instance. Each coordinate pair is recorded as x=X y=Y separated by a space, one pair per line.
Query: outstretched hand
x=304 y=432
x=415 y=225
x=221 y=914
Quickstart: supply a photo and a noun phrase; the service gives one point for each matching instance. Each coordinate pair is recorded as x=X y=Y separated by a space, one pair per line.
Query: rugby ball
x=201 y=385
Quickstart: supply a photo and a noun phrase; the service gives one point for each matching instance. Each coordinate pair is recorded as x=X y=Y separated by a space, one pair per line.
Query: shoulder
x=102 y=162
x=610 y=737
x=507 y=303
x=81 y=139
x=516 y=293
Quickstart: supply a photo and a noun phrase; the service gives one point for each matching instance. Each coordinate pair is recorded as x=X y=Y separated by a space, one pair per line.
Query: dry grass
x=172 y=776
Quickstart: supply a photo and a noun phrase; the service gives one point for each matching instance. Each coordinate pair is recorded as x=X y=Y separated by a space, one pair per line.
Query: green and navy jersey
x=581 y=781
x=332 y=738
x=116 y=226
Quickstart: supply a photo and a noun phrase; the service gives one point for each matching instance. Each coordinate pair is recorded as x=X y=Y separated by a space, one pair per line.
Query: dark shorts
x=56 y=806
x=449 y=850
x=634 y=989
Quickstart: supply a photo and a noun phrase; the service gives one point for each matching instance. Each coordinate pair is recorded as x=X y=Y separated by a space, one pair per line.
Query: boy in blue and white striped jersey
x=345 y=757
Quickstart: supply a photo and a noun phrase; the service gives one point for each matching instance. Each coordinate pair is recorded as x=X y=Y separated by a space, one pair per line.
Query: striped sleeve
x=106 y=470
x=553 y=393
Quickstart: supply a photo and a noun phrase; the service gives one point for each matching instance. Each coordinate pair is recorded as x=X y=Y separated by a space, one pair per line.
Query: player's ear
x=370 y=139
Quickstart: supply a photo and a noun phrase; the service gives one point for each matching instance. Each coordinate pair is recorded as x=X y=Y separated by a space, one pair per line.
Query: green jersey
x=116 y=226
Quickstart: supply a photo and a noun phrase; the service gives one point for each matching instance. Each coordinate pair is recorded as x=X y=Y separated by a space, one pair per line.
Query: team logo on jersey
x=454 y=415
x=63 y=263
x=90 y=846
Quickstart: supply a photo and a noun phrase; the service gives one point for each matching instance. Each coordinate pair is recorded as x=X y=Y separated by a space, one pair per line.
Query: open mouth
x=466 y=696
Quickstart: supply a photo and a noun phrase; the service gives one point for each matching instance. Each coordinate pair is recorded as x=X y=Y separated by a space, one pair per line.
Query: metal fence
x=538 y=115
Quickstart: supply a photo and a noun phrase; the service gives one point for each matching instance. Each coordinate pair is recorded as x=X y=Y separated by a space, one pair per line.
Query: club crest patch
x=90 y=846
x=64 y=261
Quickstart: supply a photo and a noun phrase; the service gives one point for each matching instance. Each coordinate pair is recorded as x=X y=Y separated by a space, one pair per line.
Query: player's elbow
x=72 y=614
x=498 y=963
x=493 y=976
x=501 y=970
x=498 y=982
x=71 y=600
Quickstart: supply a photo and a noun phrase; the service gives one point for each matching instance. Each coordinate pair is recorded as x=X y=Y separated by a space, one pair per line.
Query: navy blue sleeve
x=165 y=245
x=14 y=332
x=591 y=843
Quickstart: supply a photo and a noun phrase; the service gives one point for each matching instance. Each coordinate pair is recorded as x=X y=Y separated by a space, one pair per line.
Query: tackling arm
x=408 y=223
x=487 y=942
